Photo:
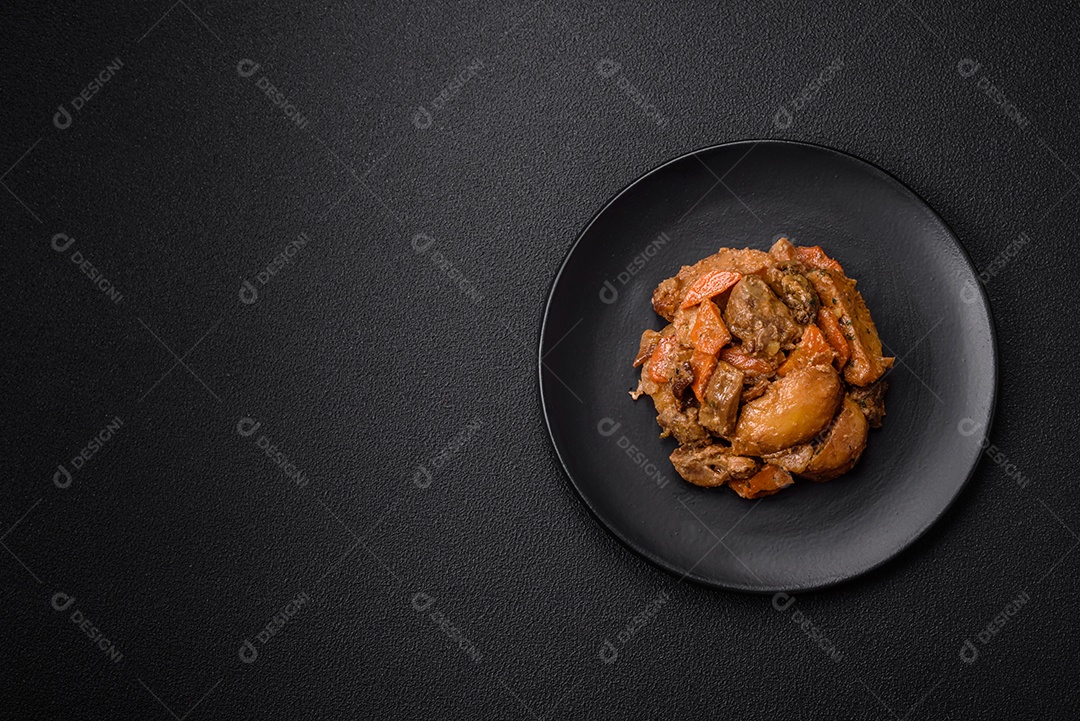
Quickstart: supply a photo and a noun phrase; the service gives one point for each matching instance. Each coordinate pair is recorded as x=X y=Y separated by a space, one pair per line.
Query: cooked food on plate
x=770 y=367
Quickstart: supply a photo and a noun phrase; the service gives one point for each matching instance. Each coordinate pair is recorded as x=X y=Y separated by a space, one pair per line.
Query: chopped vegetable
x=709 y=333
x=815 y=257
x=830 y=326
x=709 y=284
x=812 y=350
x=703 y=365
x=766 y=482
x=664 y=359
x=745 y=363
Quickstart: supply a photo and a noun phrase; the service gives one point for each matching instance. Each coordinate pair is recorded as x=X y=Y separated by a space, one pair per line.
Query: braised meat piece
x=711 y=465
x=669 y=294
x=871 y=401
x=760 y=319
x=721 y=407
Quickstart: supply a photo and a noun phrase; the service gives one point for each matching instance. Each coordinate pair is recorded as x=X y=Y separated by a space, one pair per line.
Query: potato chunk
x=792 y=411
x=843 y=444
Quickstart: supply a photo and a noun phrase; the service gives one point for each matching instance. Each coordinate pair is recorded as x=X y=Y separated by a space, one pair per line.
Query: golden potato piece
x=843 y=444
x=793 y=410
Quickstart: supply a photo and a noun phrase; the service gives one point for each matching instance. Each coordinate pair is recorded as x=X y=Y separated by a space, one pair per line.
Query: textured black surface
x=934 y=320
x=362 y=359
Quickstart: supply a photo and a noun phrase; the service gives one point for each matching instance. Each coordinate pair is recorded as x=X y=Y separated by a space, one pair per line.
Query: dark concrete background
x=362 y=359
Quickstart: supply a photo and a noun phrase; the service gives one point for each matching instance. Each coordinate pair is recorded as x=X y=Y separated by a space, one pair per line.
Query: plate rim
x=646 y=553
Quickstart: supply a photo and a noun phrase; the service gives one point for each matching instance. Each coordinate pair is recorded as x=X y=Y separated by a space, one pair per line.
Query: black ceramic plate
x=927 y=303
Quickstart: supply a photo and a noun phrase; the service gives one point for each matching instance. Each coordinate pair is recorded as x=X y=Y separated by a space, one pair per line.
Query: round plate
x=925 y=298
